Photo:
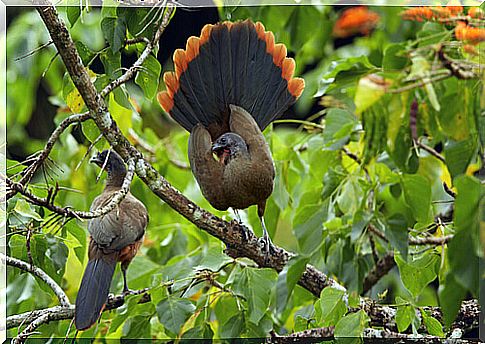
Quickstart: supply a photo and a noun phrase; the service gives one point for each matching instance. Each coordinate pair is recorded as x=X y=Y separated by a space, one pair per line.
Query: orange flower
x=476 y=12
x=418 y=14
x=455 y=10
x=355 y=20
x=472 y=35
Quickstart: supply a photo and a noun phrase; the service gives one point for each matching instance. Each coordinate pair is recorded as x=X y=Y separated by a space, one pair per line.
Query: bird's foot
x=127 y=291
x=267 y=247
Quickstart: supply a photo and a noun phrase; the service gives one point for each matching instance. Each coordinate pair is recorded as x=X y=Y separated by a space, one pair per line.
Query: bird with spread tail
x=229 y=84
x=115 y=237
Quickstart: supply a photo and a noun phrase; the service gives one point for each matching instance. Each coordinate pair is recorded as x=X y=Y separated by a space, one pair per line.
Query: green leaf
x=368 y=92
x=73 y=13
x=86 y=54
x=173 y=312
x=214 y=260
x=308 y=228
x=233 y=327
x=432 y=324
x=395 y=57
x=80 y=235
x=332 y=306
x=114 y=31
x=417 y=193
x=287 y=280
x=148 y=76
x=417 y=274
x=451 y=294
x=343 y=73
x=24 y=209
x=338 y=124
x=202 y=331
x=458 y=155
x=405 y=314
x=137 y=326
x=397 y=233
x=352 y=325
x=255 y=285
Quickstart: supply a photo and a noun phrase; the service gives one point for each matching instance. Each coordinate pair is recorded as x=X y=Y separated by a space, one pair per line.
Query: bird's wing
x=207 y=171
x=122 y=226
x=243 y=124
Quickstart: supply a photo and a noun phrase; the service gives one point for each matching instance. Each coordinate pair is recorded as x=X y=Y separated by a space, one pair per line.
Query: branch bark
x=63 y=299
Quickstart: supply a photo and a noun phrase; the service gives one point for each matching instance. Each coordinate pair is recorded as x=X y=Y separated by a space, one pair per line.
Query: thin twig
x=382 y=267
x=45 y=45
x=130 y=73
x=430 y=151
x=419 y=84
x=67 y=211
x=63 y=299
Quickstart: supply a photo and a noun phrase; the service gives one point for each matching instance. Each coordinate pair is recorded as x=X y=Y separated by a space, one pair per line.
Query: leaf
x=173 y=312
x=233 y=327
x=458 y=155
x=80 y=235
x=343 y=73
x=137 y=326
x=395 y=57
x=214 y=260
x=332 y=306
x=287 y=280
x=202 y=331
x=451 y=294
x=86 y=54
x=338 y=124
x=417 y=193
x=24 y=209
x=73 y=13
x=352 y=325
x=114 y=31
x=120 y=114
x=417 y=274
x=255 y=285
x=432 y=324
x=308 y=228
x=148 y=76
x=405 y=314
x=397 y=233
x=367 y=93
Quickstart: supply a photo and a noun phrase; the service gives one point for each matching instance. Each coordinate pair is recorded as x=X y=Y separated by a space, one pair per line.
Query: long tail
x=93 y=292
x=230 y=63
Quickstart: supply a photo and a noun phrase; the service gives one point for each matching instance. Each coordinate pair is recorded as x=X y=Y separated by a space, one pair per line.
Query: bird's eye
x=223 y=140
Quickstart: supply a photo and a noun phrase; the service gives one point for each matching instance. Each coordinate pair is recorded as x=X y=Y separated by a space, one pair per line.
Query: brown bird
x=115 y=237
x=229 y=84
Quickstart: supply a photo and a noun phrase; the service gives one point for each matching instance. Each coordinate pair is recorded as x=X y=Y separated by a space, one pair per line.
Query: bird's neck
x=115 y=179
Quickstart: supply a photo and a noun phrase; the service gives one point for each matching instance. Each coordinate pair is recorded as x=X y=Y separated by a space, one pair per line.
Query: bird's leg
x=266 y=241
x=126 y=290
x=236 y=213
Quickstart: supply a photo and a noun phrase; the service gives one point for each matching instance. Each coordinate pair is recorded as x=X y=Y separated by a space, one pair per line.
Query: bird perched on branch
x=115 y=237
x=229 y=84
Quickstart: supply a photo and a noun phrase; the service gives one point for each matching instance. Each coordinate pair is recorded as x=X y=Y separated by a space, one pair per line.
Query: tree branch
x=382 y=267
x=68 y=212
x=63 y=299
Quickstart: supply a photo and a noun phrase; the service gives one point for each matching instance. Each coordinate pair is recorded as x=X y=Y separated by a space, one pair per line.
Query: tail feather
x=230 y=63
x=93 y=292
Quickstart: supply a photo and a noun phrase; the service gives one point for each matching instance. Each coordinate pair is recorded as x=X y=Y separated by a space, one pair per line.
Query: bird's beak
x=216 y=147
x=95 y=160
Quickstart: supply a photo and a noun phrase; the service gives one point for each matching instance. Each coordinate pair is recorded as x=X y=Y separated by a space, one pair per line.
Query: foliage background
x=352 y=161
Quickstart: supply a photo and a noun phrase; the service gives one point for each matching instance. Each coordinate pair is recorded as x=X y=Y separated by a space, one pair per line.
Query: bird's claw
x=127 y=292
x=267 y=247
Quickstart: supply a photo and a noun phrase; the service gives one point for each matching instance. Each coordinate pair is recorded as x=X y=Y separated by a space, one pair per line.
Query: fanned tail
x=230 y=63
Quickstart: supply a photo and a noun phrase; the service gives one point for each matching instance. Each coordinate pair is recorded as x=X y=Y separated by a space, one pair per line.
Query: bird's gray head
x=229 y=146
x=112 y=163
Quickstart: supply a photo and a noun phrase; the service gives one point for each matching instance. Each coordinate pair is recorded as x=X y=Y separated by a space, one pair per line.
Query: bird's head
x=111 y=162
x=229 y=146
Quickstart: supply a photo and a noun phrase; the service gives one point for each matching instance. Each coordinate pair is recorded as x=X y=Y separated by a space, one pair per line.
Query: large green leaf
x=308 y=228
x=352 y=325
x=332 y=306
x=173 y=312
x=417 y=193
x=148 y=76
x=256 y=285
x=114 y=31
x=288 y=278
x=418 y=273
